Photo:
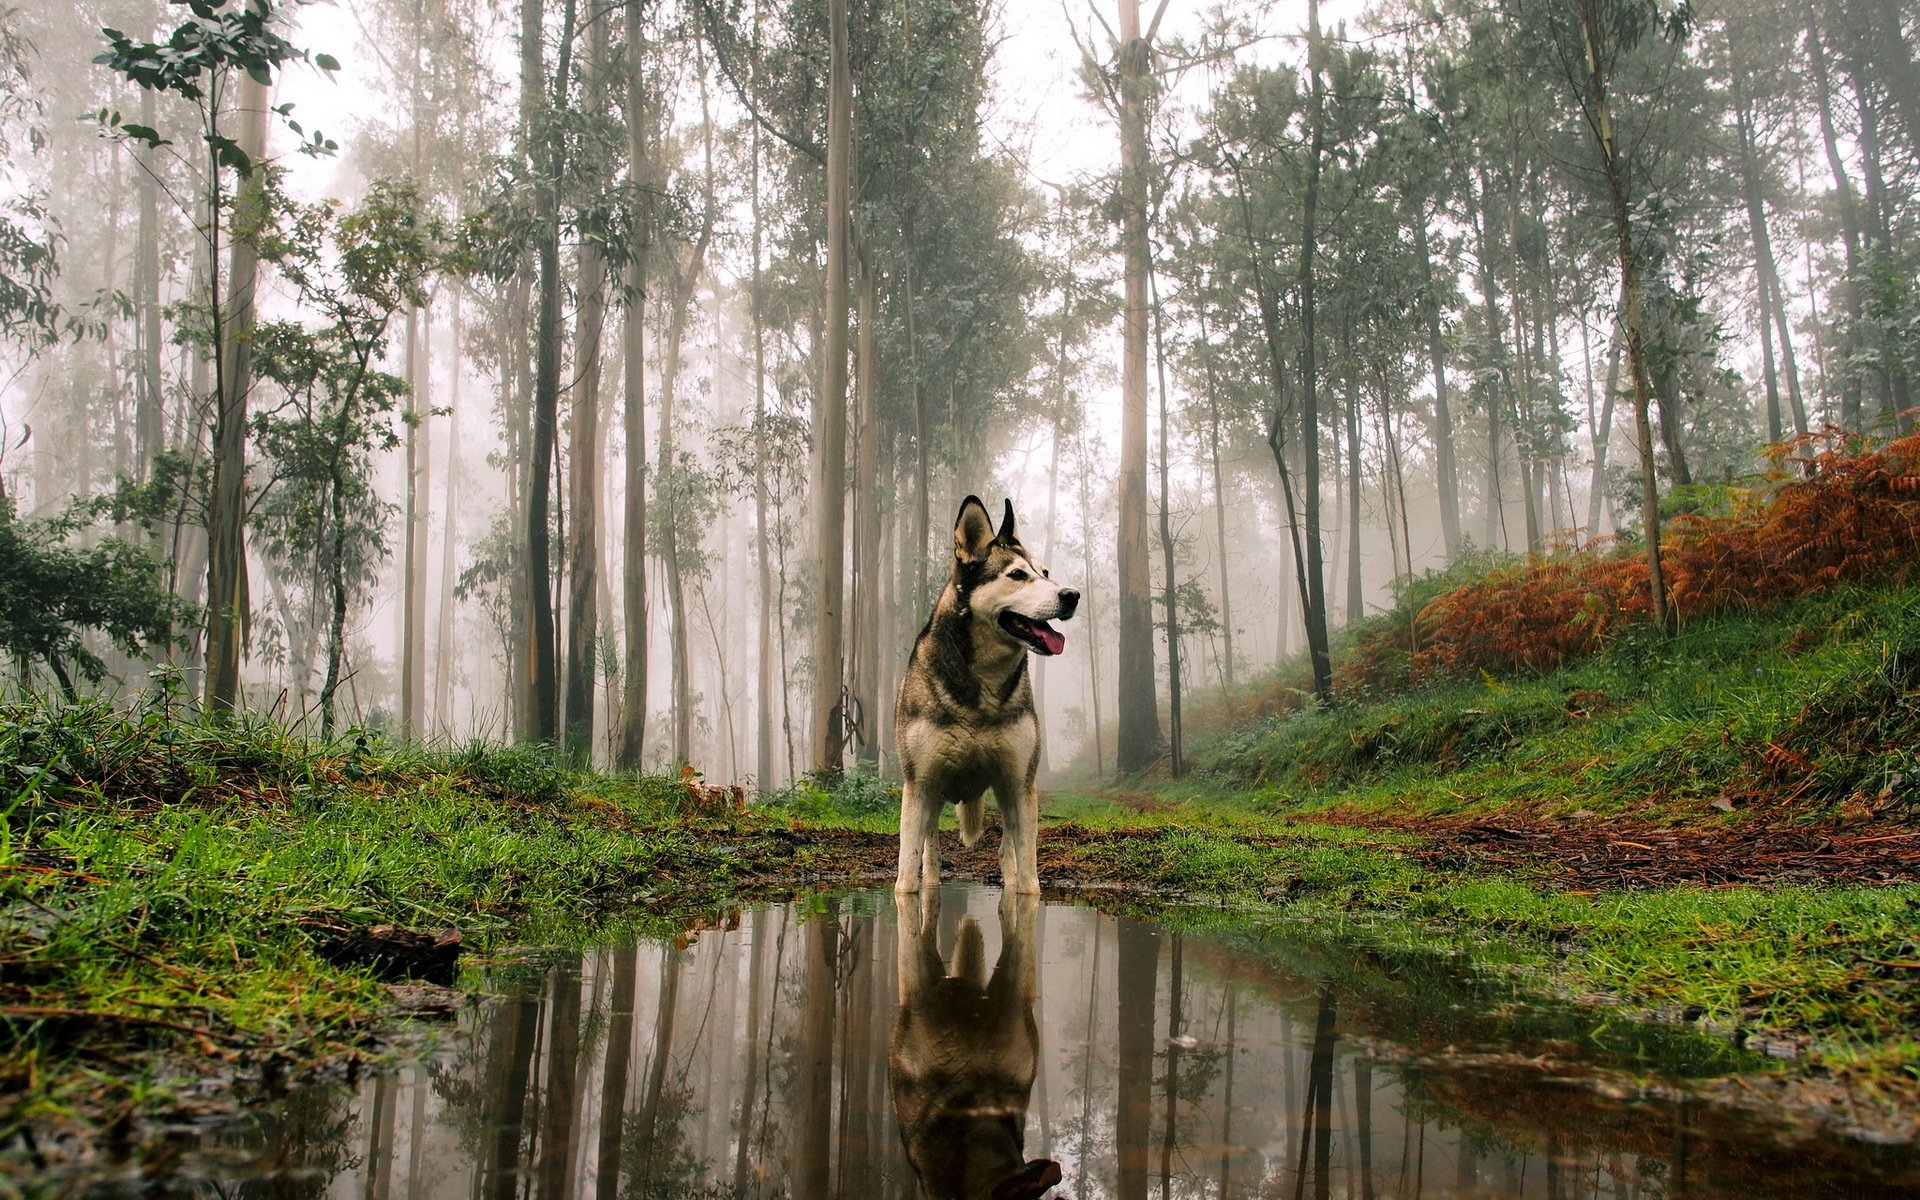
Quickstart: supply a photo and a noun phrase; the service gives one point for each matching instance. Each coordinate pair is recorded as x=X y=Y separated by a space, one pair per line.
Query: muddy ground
x=1563 y=854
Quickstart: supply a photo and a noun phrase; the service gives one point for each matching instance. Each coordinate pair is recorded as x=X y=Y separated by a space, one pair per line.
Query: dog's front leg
x=919 y=828
x=912 y=838
x=1019 y=818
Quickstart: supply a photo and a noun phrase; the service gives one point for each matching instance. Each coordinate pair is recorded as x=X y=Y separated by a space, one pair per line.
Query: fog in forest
x=610 y=374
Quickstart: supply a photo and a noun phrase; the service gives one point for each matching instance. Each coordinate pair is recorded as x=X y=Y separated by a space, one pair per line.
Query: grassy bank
x=1809 y=704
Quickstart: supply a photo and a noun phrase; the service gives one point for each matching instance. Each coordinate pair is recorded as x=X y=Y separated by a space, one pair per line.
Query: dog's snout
x=1069 y=600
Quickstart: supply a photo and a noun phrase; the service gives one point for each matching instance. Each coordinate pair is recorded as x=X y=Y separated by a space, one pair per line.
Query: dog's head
x=1002 y=585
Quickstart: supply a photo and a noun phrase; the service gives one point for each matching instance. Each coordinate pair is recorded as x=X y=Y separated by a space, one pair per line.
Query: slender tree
x=829 y=492
x=1138 y=741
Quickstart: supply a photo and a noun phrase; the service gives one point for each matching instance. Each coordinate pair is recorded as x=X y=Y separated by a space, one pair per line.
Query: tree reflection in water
x=824 y=1049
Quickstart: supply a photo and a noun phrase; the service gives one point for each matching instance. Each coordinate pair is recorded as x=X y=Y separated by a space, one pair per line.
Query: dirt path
x=1625 y=853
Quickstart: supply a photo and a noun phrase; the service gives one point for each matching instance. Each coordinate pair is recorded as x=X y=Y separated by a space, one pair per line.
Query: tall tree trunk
x=149 y=387
x=1170 y=592
x=1053 y=483
x=1603 y=429
x=449 y=536
x=583 y=448
x=763 y=541
x=1890 y=374
x=413 y=626
x=1850 y=234
x=1602 y=126
x=1757 y=230
x=227 y=593
x=830 y=490
x=1088 y=612
x=413 y=559
x=633 y=576
x=336 y=580
x=541 y=723
x=1139 y=734
x=865 y=650
x=1219 y=498
x=1356 y=583
x=1496 y=517
x=922 y=520
x=1313 y=614
x=1525 y=424
x=1446 y=471
x=668 y=480
x=1316 y=599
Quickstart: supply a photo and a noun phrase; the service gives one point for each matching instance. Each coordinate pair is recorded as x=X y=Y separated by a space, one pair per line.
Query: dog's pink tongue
x=1052 y=639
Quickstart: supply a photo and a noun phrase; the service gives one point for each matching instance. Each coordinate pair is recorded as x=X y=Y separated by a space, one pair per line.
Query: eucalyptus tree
x=220 y=57
x=335 y=408
x=1582 y=49
x=431 y=60
x=830 y=445
x=1126 y=88
x=1287 y=150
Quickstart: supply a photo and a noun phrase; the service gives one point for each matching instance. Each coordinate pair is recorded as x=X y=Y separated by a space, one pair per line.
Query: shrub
x=1848 y=512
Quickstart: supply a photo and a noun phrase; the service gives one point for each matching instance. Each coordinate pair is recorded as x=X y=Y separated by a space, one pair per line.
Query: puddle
x=823 y=1049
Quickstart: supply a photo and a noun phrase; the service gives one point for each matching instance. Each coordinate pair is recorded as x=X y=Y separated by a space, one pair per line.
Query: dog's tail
x=973 y=819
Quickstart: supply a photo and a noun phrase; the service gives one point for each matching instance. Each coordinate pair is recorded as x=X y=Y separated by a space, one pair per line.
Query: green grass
x=154 y=869
x=1821 y=965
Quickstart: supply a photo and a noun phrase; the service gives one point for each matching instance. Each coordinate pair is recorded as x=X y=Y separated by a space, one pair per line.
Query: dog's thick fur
x=964 y=1052
x=964 y=720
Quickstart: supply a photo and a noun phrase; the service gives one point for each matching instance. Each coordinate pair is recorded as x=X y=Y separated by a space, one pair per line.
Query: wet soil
x=1593 y=854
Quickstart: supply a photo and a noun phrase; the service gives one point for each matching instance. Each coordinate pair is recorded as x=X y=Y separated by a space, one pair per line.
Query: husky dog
x=964 y=720
x=965 y=1048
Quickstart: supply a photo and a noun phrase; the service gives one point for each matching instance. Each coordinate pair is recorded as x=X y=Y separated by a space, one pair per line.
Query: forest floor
x=1721 y=827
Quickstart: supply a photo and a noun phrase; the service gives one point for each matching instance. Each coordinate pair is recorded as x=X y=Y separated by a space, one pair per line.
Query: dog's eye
x=1018 y=576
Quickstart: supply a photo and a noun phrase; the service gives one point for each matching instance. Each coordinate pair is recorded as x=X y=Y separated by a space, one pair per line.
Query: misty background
x=609 y=374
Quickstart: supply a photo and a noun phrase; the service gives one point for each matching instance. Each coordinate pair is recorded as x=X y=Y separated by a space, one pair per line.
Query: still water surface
x=988 y=1047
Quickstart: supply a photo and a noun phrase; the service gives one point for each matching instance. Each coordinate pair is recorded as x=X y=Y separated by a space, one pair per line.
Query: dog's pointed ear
x=1009 y=535
x=972 y=531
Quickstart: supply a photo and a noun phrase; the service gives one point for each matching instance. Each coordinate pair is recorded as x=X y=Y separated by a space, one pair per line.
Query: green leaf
x=326 y=62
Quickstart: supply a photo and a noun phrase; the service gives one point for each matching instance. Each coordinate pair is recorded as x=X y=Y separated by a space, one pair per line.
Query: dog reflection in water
x=965 y=1048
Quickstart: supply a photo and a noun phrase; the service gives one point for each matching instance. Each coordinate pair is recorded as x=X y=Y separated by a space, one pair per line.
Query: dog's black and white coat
x=964 y=720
